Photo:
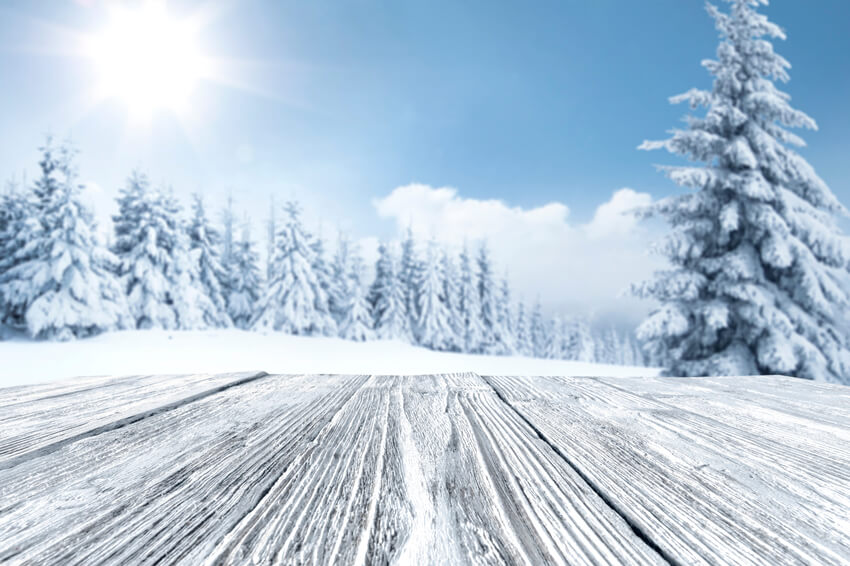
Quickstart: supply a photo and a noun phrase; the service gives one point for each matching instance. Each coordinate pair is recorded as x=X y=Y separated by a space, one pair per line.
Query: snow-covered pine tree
x=245 y=283
x=293 y=292
x=15 y=214
x=204 y=243
x=409 y=275
x=537 y=332
x=387 y=296
x=615 y=346
x=759 y=267
x=433 y=328
x=522 y=332
x=228 y=239
x=271 y=230
x=322 y=268
x=383 y=266
x=157 y=271
x=336 y=278
x=193 y=306
x=486 y=297
x=607 y=346
x=627 y=350
x=504 y=320
x=450 y=298
x=554 y=340
x=469 y=306
x=228 y=242
x=494 y=335
x=567 y=338
x=59 y=279
x=585 y=342
x=356 y=323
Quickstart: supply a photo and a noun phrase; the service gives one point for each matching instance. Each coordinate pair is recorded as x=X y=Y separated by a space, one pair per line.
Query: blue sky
x=526 y=102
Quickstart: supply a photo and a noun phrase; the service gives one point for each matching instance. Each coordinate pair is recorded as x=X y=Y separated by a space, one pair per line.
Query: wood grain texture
x=440 y=469
x=707 y=487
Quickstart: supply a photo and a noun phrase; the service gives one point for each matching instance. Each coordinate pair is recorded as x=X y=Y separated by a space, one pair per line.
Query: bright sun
x=148 y=60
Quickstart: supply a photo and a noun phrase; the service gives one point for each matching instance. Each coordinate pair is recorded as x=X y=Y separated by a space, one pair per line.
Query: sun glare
x=148 y=59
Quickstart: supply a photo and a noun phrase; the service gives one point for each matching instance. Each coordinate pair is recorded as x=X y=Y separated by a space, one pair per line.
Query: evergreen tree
x=469 y=305
x=537 y=331
x=566 y=336
x=494 y=339
x=388 y=296
x=356 y=322
x=585 y=342
x=433 y=327
x=758 y=283
x=59 y=281
x=228 y=243
x=504 y=322
x=157 y=271
x=450 y=298
x=337 y=279
x=271 y=230
x=553 y=339
x=204 y=243
x=294 y=301
x=15 y=217
x=522 y=332
x=409 y=275
x=245 y=281
x=628 y=351
x=383 y=266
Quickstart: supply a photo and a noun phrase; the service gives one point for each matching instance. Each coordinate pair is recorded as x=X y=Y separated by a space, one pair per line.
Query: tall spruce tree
x=522 y=332
x=450 y=298
x=494 y=337
x=15 y=214
x=271 y=231
x=553 y=340
x=356 y=322
x=759 y=267
x=228 y=243
x=387 y=296
x=504 y=318
x=58 y=282
x=469 y=305
x=537 y=331
x=245 y=280
x=204 y=243
x=409 y=275
x=294 y=301
x=433 y=326
x=337 y=278
x=157 y=270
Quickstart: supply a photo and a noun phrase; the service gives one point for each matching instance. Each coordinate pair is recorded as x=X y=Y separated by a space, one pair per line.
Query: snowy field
x=217 y=351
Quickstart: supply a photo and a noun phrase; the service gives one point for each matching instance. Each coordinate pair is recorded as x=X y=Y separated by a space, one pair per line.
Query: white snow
x=133 y=352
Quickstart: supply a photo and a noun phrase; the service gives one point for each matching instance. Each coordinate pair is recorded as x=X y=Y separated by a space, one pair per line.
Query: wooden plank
x=706 y=490
x=811 y=417
x=42 y=418
x=430 y=470
x=168 y=486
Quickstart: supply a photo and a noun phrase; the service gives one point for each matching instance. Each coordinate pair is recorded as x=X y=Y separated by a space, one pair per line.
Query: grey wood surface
x=441 y=469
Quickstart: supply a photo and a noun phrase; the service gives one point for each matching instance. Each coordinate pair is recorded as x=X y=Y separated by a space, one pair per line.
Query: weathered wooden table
x=448 y=469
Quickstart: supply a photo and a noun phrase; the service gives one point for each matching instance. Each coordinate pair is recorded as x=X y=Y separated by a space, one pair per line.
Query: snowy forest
x=170 y=270
x=756 y=281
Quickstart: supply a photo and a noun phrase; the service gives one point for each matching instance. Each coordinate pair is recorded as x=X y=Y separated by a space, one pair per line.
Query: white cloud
x=581 y=268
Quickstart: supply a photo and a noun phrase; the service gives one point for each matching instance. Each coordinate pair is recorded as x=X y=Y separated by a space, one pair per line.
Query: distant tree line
x=167 y=270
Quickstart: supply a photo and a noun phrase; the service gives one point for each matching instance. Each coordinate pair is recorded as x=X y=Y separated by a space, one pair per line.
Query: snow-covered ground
x=158 y=351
